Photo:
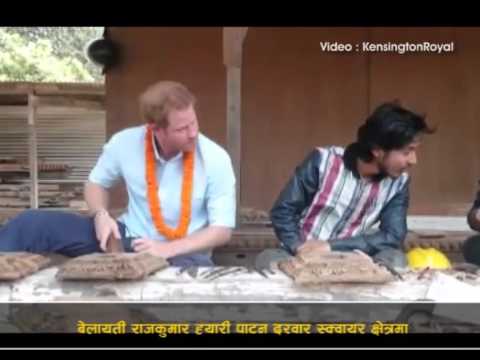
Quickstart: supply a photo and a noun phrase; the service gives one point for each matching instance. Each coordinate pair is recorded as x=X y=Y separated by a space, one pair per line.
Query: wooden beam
x=15 y=168
x=32 y=145
x=233 y=38
x=68 y=102
x=51 y=89
x=234 y=128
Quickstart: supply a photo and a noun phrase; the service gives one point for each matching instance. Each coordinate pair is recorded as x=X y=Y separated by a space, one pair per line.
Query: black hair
x=389 y=127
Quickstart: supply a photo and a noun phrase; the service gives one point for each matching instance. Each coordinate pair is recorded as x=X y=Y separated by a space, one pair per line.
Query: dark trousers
x=471 y=250
x=41 y=232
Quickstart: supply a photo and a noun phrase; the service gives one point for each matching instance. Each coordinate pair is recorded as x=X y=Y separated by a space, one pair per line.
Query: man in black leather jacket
x=336 y=196
x=471 y=247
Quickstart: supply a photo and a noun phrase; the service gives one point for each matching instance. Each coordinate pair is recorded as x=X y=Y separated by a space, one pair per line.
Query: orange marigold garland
x=152 y=191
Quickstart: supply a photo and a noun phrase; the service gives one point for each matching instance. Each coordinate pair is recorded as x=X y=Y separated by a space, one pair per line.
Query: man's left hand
x=156 y=248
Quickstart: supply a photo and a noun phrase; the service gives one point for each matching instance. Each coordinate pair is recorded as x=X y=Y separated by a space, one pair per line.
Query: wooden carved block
x=14 y=266
x=334 y=267
x=115 y=266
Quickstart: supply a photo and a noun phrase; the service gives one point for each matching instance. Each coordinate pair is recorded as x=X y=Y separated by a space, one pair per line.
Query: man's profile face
x=395 y=162
x=182 y=131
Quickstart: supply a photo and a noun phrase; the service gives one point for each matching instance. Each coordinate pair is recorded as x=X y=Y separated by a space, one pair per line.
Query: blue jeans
x=40 y=232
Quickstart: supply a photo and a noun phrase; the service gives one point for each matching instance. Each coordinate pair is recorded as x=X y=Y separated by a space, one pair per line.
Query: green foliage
x=47 y=54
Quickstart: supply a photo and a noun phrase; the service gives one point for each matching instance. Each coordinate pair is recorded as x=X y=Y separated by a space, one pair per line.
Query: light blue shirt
x=213 y=196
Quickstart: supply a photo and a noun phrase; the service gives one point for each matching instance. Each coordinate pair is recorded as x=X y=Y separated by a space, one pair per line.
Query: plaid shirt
x=327 y=200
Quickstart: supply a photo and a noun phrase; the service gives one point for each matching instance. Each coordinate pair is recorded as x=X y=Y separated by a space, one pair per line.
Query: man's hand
x=318 y=246
x=105 y=228
x=165 y=250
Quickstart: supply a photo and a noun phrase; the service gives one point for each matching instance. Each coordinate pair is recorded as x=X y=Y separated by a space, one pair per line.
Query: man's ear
x=152 y=126
x=158 y=129
x=378 y=153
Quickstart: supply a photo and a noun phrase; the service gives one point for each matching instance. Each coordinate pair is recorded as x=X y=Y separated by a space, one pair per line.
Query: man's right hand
x=318 y=246
x=105 y=228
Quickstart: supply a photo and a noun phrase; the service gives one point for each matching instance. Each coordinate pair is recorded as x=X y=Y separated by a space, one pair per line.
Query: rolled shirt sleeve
x=221 y=195
x=107 y=170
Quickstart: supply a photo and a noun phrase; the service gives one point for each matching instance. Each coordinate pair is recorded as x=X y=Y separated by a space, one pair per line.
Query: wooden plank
x=42 y=194
x=14 y=203
x=68 y=102
x=7 y=194
x=26 y=187
x=56 y=89
x=42 y=167
x=45 y=181
x=7 y=160
x=47 y=194
x=18 y=203
x=16 y=168
x=53 y=167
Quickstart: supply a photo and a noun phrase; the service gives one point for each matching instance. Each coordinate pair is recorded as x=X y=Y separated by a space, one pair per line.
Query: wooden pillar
x=233 y=38
x=32 y=153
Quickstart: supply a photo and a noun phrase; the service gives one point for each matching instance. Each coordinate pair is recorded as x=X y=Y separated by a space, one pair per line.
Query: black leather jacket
x=298 y=196
x=472 y=221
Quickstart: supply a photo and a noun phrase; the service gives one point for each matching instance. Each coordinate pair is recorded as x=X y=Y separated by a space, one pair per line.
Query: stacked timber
x=15 y=186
